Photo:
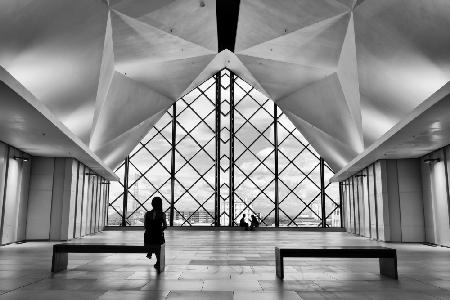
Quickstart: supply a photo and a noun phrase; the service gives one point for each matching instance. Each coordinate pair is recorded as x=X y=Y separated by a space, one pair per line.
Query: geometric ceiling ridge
x=105 y=78
x=347 y=73
x=115 y=151
x=163 y=62
x=169 y=78
x=335 y=152
x=160 y=45
x=357 y=3
x=128 y=104
x=54 y=50
x=191 y=20
x=263 y=20
x=225 y=60
x=279 y=78
x=137 y=8
x=318 y=44
x=322 y=104
x=347 y=3
x=379 y=66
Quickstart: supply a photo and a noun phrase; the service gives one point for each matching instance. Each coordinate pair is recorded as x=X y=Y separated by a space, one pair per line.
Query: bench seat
x=60 y=252
x=387 y=256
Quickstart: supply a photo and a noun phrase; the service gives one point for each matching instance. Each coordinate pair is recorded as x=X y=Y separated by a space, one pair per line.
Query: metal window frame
x=232 y=185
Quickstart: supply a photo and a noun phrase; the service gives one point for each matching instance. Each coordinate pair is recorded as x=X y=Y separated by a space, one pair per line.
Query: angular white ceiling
x=344 y=71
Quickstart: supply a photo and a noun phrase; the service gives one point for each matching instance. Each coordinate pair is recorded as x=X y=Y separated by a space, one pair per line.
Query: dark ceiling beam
x=227 y=13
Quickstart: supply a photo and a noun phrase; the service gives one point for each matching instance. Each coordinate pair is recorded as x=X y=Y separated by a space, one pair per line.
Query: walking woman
x=155 y=224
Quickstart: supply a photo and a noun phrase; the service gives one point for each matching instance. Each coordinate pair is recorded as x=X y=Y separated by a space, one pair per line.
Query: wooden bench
x=387 y=256
x=61 y=252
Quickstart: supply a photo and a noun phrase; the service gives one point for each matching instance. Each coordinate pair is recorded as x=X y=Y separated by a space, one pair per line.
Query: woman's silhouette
x=155 y=224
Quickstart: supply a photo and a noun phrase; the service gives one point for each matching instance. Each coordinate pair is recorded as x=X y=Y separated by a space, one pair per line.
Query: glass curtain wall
x=222 y=151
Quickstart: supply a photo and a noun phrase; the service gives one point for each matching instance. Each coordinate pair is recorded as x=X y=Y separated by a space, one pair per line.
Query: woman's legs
x=157 y=254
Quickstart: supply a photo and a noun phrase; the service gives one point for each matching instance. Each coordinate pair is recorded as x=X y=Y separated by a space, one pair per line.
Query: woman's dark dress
x=154 y=228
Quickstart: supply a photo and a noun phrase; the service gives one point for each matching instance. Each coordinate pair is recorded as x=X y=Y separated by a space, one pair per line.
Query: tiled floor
x=222 y=265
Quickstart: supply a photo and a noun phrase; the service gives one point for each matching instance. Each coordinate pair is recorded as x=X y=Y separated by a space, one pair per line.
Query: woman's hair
x=157 y=203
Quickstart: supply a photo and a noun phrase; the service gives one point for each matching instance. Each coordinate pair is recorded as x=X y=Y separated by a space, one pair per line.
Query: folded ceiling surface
x=344 y=71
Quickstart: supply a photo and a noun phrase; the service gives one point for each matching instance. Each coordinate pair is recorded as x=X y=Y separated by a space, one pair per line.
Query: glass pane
x=195 y=158
x=299 y=178
x=149 y=171
x=254 y=156
x=116 y=198
x=254 y=168
x=332 y=200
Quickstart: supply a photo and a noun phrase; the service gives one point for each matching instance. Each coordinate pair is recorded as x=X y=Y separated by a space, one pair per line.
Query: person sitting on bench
x=243 y=223
x=155 y=223
x=254 y=223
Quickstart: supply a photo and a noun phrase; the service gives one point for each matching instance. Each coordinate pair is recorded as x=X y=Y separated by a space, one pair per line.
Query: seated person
x=254 y=223
x=243 y=223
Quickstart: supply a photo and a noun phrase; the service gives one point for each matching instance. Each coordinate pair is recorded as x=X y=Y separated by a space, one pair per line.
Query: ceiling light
x=22 y=158
x=430 y=160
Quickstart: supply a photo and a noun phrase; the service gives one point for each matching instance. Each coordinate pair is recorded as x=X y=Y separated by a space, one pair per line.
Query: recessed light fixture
x=22 y=158
x=430 y=160
x=360 y=175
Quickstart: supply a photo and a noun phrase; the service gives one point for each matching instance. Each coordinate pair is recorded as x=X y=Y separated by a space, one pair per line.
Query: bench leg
x=388 y=267
x=279 y=263
x=59 y=261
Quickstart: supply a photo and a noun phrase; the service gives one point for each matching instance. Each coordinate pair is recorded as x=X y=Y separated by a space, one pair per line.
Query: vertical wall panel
x=63 y=199
x=444 y=216
x=429 y=220
x=372 y=202
x=57 y=198
x=346 y=203
x=3 y=163
x=15 y=198
x=365 y=192
x=353 y=201
x=85 y=203
x=361 y=211
x=79 y=204
x=96 y=205
x=436 y=207
x=383 y=210
x=393 y=201
x=101 y=205
x=23 y=200
x=70 y=191
x=40 y=198
x=92 y=203
x=356 y=217
x=411 y=203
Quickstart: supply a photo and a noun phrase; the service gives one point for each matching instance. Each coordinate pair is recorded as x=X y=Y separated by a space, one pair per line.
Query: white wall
x=3 y=168
x=411 y=201
x=40 y=198
x=48 y=198
x=388 y=198
x=15 y=178
x=436 y=197
x=61 y=200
